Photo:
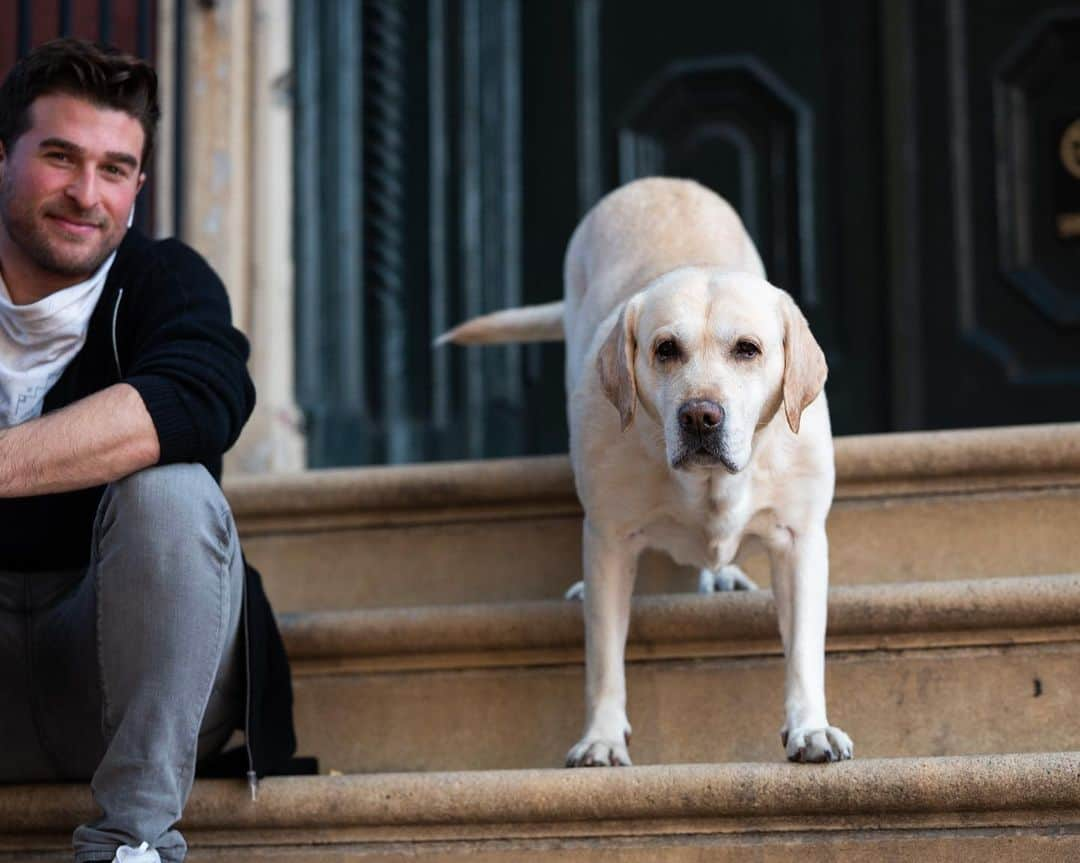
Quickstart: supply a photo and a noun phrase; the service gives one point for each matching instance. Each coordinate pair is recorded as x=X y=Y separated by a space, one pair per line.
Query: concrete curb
x=865 y=464
x=909 y=609
x=1046 y=783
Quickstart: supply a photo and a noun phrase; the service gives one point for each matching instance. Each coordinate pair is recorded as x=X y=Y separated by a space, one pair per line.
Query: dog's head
x=711 y=356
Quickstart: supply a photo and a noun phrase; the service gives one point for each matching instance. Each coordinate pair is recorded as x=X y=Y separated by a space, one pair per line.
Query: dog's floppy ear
x=805 y=369
x=615 y=363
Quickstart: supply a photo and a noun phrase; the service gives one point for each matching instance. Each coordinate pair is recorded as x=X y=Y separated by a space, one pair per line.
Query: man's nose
x=83 y=189
x=700 y=415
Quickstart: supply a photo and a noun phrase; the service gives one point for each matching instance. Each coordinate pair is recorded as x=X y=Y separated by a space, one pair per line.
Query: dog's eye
x=745 y=350
x=667 y=350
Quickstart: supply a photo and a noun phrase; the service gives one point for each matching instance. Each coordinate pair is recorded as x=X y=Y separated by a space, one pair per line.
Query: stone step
x=997 y=808
x=939 y=668
x=926 y=505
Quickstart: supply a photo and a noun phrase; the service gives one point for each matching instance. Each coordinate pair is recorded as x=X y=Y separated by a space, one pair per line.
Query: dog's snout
x=700 y=415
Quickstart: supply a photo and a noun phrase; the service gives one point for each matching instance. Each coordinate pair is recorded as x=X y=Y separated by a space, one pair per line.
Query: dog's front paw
x=814 y=745
x=598 y=751
x=728 y=577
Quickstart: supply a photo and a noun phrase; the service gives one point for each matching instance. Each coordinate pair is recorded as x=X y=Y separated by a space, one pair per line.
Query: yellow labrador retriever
x=698 y=426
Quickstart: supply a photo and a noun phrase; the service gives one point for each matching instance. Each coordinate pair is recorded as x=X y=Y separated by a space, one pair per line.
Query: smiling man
x=133 y=637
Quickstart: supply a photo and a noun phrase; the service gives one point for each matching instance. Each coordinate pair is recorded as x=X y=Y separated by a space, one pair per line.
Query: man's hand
x=96 y=440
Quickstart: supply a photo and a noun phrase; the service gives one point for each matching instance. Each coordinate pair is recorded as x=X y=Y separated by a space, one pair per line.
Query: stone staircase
x=438 y=672
x=963 y=667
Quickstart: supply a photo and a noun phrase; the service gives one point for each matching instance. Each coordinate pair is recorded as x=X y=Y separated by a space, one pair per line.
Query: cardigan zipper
x=253 y=779
x=252 y=776
x=115 y=348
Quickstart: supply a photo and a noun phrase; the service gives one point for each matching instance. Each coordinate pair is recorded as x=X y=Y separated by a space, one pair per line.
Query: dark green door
x=773 y=104
x=986 y=215
x=447 y=148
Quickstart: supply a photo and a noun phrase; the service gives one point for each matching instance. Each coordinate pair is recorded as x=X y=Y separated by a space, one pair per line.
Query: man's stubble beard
x=30 y=237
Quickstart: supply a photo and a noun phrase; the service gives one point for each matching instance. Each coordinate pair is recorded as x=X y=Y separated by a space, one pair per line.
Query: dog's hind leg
x=730 y=577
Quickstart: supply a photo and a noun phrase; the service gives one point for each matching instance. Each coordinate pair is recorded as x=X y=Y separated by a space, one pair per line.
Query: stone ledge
x=867 y=466
x=970 y=786
x=921 y=612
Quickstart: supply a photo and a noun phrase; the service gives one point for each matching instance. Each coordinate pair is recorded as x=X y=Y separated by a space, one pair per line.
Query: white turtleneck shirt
x=38 y=340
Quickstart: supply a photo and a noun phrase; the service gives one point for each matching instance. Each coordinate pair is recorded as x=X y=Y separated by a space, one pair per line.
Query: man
x=133 y=638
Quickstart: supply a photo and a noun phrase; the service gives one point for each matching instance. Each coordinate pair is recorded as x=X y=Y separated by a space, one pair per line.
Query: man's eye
x=667 y=350
x=58 y=157
x=745 y=350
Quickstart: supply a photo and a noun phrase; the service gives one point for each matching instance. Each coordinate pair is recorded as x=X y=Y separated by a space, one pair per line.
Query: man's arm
x=181 y=353
x=96 y=440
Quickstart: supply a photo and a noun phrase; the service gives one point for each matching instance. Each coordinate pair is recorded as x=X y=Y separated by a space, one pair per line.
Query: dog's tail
x=543 y=323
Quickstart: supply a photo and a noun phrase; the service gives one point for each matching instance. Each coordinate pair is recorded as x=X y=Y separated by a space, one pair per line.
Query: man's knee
x=167 y=510
x=175 y=498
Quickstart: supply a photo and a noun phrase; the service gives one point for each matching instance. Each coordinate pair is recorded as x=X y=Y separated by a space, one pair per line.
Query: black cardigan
x=163 y=325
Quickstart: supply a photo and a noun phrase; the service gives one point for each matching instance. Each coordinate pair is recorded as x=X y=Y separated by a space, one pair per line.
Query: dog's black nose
x=700 y=416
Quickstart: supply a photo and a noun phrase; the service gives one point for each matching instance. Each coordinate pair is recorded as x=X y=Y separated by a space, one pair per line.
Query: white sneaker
x=143 y=854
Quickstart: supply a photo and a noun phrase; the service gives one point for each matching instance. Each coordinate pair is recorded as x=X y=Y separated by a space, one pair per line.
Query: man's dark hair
x=102 y=75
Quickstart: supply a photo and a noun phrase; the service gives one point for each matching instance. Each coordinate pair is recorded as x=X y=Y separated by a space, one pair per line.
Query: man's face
x=67 y=188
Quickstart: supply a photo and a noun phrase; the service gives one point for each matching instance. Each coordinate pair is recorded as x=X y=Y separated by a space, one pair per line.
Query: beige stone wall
x=237 y=194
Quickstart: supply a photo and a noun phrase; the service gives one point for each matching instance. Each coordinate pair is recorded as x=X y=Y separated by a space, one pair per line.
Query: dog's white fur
x=668 y=261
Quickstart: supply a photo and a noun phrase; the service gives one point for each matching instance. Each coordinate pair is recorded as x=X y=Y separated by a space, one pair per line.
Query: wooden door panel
x=1001 y=284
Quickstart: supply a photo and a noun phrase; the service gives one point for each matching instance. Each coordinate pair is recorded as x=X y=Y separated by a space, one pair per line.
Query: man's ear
x=805 y=369
x=615 y=363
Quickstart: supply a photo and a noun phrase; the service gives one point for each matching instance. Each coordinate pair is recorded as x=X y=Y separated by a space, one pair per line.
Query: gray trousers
x=127 y=672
